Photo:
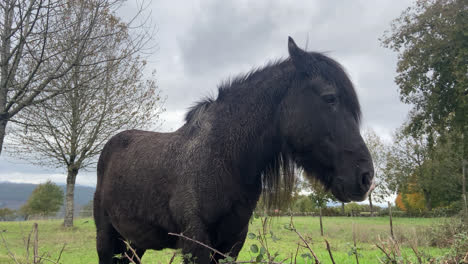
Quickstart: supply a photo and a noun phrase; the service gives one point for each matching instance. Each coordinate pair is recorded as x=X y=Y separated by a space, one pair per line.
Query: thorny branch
x=218 y=252
x=305 y=241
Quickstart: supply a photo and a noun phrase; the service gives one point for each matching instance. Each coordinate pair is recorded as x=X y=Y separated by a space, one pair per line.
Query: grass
x=80 y=240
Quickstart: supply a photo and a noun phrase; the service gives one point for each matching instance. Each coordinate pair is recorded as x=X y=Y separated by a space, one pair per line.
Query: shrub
x=444 y=234
x=7 y=214
x=45 y=200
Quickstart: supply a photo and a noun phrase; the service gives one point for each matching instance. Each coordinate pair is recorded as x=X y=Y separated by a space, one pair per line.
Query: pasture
x=79 y=241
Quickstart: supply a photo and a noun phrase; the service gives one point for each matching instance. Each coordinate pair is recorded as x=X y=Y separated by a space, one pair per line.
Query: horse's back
x=130 y=147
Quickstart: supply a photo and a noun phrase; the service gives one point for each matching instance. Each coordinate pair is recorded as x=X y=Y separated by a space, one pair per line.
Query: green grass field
x=80 y=240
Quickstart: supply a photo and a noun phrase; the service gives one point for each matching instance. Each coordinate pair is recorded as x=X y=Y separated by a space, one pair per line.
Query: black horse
x=205 y=179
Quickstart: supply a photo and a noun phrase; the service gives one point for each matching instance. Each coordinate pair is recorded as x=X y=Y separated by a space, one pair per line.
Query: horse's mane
x=225 y=86
x=196 y=110
x=325 y=67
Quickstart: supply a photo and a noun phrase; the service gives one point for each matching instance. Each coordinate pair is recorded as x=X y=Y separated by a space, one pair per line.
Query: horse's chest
x=145 y=234
x=232 y=222
x=228 y=200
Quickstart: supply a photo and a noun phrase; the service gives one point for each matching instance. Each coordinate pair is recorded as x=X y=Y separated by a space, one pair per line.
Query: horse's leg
x=232 y=245
x=106 y=237
x=183 y=207
x=126 y=254
x=195 y=252
x=194 y=229
x=109 y=242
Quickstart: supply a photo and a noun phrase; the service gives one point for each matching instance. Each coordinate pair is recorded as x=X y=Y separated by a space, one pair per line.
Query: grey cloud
x=202 y=42
x=226 y=33
x=226 y=38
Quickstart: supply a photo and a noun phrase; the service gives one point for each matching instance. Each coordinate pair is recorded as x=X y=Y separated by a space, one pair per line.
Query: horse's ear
x=298 y=56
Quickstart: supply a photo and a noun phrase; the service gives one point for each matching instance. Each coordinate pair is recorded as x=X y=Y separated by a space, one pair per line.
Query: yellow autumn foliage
x=410 y=202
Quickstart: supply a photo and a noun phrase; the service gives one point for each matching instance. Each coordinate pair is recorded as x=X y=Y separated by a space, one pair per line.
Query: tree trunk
x=3 y=123
x=465 y=209
x=370 y=205
x=428 y=198
x=5 y=52
x=391 y=221
x=342 y=209
x=321 y=226
x=464 y=154
x=69 y=197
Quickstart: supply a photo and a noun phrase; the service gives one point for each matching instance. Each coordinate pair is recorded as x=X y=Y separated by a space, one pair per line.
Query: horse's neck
x=252 y=139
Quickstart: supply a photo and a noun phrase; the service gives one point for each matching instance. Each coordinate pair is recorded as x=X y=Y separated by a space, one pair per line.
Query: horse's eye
x=329 y=98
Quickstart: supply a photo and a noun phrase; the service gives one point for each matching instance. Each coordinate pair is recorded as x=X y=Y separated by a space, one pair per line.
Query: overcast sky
x=200 y=43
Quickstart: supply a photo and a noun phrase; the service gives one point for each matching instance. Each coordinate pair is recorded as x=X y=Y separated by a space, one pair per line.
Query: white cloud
x=172 y=120
x=37 y=178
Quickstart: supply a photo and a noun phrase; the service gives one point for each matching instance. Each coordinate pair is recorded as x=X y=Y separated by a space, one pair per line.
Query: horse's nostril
x=366 y=181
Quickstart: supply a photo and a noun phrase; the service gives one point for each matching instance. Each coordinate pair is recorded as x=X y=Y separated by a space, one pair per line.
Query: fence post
x=35 y=245
x=355 y=244
x=391 y=223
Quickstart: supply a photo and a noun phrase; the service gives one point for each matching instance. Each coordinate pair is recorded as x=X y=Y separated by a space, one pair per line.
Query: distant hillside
x=14 y=195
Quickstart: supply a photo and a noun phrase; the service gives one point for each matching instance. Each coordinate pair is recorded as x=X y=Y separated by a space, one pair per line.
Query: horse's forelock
x=332 y=72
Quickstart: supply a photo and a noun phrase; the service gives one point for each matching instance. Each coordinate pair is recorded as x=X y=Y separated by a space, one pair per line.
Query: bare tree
x=107 y=93
x=378 y=151
x=40 y=42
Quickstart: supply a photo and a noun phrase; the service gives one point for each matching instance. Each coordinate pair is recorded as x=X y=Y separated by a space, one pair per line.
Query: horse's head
x=319 y=119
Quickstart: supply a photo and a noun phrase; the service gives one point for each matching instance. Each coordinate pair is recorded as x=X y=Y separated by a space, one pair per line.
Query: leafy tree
x=422 y=165
x=45 y=200
x=303 y=204
x=405 y=165
x=446 y=157
x=7 y=214
x=108 y=94
x=319 y=195
x=378 y=152
x=410 y=201
x=431 y=39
